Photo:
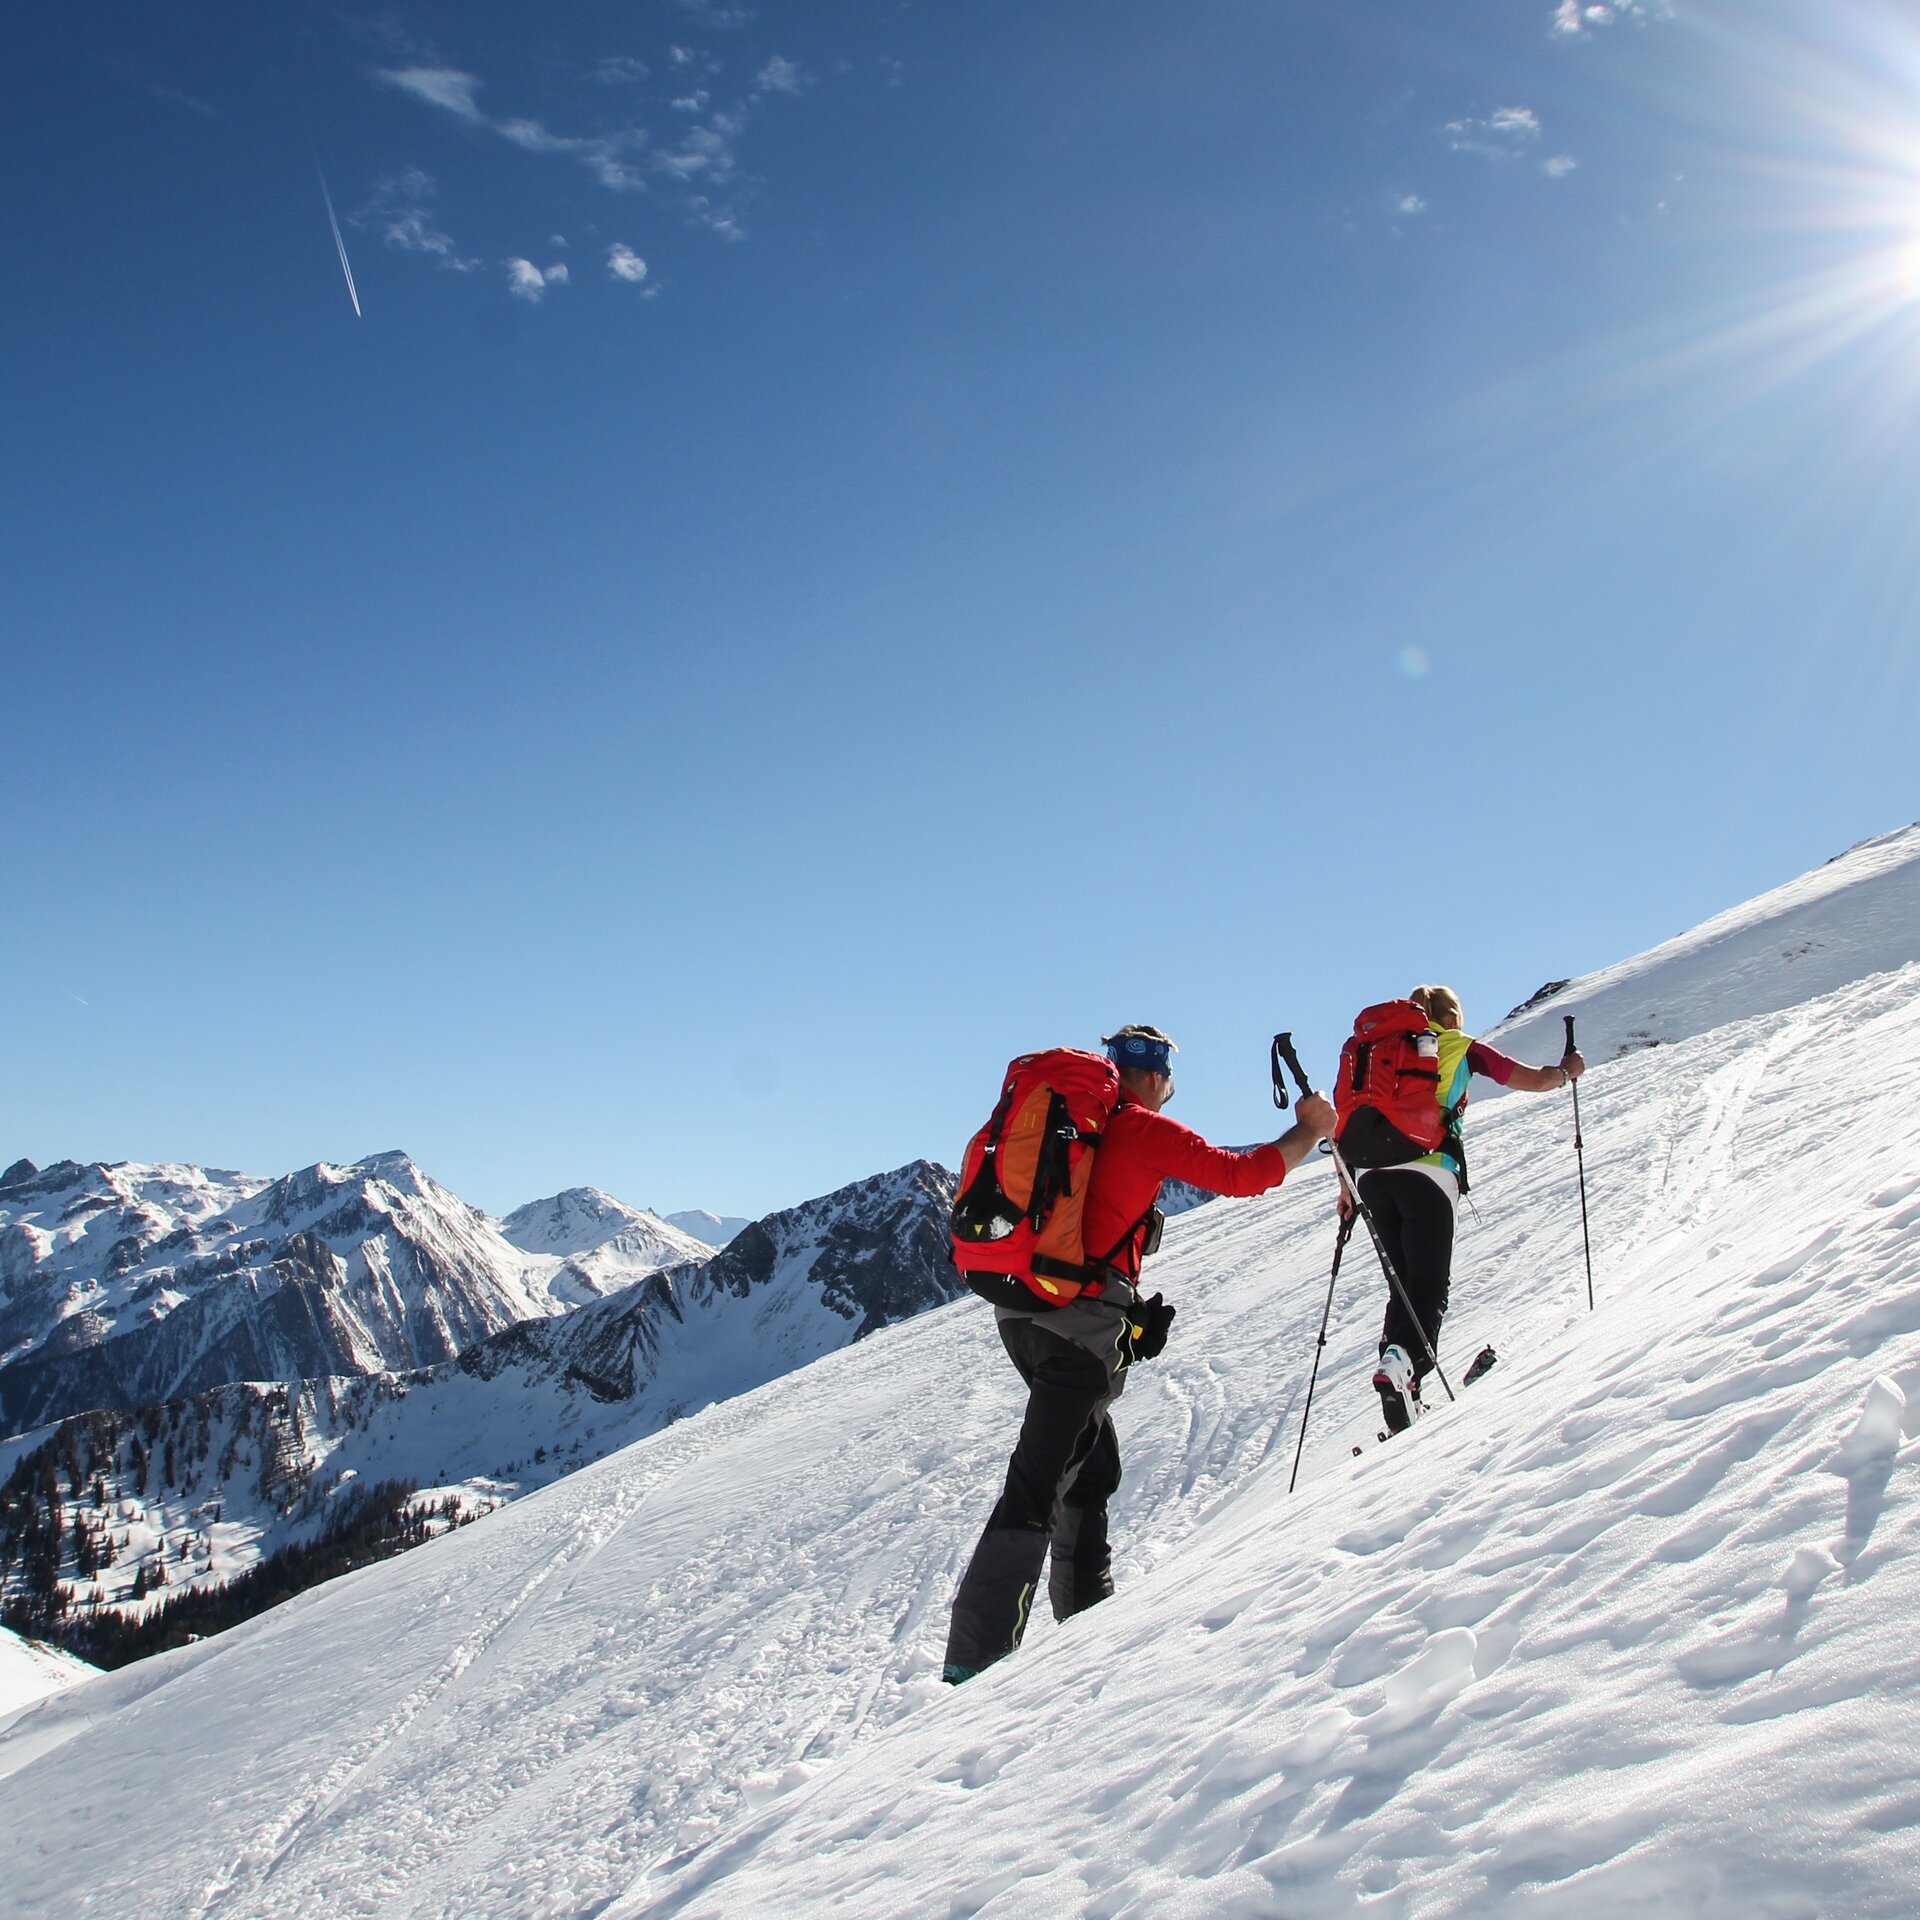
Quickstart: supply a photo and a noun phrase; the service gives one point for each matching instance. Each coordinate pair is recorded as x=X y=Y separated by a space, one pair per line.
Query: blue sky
x=849 y=541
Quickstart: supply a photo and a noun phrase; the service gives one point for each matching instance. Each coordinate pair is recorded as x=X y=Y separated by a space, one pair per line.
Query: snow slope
x=1631 y=1623
x=198 y=1491
x=715 y=1229
x=1858 y=914
x=30 y=1670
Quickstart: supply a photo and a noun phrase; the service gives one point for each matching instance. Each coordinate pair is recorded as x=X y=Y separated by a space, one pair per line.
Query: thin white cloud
x=526 y=282
x=621 y=70
x=715 y=14
x=444 y=87
x=1559 y=166
x=705 y=152
x=624 y=264
x=780 y=75
x=1410 y=204
x=401 y=211
x=1500 y=135
x=1574 y=18
x=605 y=155
x=175 y=98
x=698 y=167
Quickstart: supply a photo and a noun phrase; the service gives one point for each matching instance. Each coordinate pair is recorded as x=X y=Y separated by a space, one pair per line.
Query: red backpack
x=1388 y=1096
x=1023 y=1179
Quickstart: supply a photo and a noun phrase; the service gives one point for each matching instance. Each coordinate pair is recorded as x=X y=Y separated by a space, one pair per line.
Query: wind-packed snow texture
x=1630 y=1625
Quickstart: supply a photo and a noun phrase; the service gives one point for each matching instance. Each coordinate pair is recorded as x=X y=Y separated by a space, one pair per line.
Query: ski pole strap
x=1283 y=1050
x=1279 y=1078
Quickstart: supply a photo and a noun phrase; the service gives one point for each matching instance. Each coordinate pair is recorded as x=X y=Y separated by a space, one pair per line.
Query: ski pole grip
x=1283 y=1050
x=1568 y=1018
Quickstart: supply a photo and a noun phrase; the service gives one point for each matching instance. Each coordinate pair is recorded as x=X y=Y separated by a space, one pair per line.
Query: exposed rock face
x=790 y=1287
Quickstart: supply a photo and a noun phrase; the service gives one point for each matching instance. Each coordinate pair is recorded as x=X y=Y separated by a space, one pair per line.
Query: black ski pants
x=1415 y=1222
x=1063 y=1471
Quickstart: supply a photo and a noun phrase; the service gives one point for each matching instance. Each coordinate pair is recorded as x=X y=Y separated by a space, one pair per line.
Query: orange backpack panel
x=1024 y=1176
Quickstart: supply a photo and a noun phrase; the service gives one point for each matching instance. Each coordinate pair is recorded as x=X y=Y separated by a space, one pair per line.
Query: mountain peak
x=571 y=1221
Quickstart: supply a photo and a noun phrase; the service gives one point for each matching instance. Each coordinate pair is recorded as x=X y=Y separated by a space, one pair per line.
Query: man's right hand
x=1316 y=1122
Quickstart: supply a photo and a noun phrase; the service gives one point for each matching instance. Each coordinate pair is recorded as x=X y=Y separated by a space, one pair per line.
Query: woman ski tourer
x=1403 y=1090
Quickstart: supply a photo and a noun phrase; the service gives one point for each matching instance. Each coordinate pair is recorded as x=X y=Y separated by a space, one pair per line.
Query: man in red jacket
x=1066 y=1465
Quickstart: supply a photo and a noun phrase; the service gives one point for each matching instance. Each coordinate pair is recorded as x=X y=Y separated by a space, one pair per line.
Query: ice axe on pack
x=1284 y=1055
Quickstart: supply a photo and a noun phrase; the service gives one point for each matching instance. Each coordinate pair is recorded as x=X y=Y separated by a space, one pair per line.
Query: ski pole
x=1580 y=1160
x=1392 y=1272
x=1326 y=1314
x=1283 y=1050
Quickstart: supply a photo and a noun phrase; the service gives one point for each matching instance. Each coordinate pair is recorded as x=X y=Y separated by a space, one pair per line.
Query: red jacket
x=1138 y=1149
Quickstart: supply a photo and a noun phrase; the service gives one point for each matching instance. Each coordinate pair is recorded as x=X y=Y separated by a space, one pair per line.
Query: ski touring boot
x=1399 y=1393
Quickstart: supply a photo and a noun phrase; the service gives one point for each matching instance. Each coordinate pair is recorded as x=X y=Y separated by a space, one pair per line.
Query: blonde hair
x=1439 y=1004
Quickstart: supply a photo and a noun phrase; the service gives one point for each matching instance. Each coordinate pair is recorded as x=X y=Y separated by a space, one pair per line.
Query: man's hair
x=1134 y=1030
x=1438 y=1003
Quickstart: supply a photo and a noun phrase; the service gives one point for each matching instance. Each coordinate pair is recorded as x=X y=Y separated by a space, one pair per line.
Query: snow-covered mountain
x=126 y=1285
x=714 y=1229
x=1627 y=1628
x=603 y=1245
x=1854 y=916
x=192 y=1494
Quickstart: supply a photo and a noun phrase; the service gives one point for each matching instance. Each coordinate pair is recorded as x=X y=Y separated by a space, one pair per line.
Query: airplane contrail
x=337 y=241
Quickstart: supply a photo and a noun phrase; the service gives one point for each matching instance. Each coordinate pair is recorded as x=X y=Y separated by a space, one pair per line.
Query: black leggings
x=1415 y=1219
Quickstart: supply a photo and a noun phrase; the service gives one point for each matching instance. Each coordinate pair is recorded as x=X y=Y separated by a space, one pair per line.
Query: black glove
x=1147 y=1327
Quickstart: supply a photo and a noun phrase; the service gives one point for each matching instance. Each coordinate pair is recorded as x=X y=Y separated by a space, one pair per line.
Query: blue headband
x=1135 y=1053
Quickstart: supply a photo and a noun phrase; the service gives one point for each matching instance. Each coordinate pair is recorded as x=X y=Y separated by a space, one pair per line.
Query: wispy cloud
x=175 y=98
x=621 y=70
x=779 y=75
x=1559 y=166
x=527 y=282
x=401 y=212
x=607 y=156
x=1409 y=204
x=708 y=151
x=715 y=13
x=1503 y=134
x=624 y=264
x=445 y=87
x=1573 y=18
x=694 y=164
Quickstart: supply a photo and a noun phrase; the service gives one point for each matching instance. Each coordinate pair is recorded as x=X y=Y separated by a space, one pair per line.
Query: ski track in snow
x=1631 y=1624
